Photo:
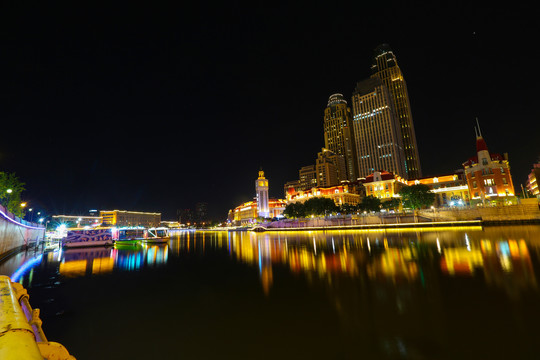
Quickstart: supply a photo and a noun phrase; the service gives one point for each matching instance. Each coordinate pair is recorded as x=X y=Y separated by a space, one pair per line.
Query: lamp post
x=23 y=206
x=8 y=197
x=31 y=214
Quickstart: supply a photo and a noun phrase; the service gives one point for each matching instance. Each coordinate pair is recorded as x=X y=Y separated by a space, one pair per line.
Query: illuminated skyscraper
x=261 y=187
x=377 y=138
x=385 y=67
x=338 y=135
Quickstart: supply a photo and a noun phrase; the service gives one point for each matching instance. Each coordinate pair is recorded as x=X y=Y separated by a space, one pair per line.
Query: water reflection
x=432 y=294
x=72 y=263
x=502 y=258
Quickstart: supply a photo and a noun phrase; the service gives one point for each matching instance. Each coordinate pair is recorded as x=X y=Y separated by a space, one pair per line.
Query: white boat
x=88 y=237
x=157 y=235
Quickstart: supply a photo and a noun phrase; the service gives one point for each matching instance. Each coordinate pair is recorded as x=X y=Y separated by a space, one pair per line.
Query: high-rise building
x=338 y=133
x=307 y=177
x=261 y=187
x=330 y=168
x=385 y=67
x=376 y=130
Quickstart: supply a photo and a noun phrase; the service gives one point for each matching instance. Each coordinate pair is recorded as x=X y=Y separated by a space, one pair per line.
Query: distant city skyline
x=160 y=108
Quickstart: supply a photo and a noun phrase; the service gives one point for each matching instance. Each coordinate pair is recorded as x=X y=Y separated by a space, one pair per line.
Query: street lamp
x=8 y=191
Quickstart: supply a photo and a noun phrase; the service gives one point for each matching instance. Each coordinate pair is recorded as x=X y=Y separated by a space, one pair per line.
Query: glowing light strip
x=25 y=267
x=379 y=226
x=18 y=223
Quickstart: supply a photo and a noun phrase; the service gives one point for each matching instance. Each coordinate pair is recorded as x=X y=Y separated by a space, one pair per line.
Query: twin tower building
x=378 y=134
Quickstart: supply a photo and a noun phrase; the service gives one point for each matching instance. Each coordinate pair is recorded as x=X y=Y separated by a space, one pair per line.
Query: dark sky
x=155 y=108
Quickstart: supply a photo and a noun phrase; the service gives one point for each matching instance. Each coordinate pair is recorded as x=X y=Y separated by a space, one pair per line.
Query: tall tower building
x=261 y=188
x=385 y=67
x=338 y=133
x=376 y=130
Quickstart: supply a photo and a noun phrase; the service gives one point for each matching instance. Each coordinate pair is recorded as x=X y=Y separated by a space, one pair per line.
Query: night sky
x=156 y=108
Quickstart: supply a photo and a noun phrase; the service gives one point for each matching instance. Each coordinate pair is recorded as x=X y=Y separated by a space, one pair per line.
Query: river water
x=452 y=293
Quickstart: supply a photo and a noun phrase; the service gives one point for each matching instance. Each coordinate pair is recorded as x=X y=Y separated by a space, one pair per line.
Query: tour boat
x=157 y=235
x=88 y=237
x=129 y=235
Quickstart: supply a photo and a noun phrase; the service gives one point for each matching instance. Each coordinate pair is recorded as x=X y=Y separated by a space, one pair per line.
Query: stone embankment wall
x=527 y=211
x=16 y=233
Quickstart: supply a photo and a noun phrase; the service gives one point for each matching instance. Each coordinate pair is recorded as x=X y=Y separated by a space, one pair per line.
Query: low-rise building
x=488 y=176
x=130 y=218
x=532 y=180
x=345 y=193
x=451 y=189
x=384 y=184
x=72 y=221
x=247 y=212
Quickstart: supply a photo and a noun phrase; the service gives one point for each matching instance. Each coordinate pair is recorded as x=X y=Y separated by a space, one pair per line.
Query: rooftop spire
x=480 y=142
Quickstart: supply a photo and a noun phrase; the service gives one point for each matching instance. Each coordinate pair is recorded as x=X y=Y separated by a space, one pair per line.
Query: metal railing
x=21 y=335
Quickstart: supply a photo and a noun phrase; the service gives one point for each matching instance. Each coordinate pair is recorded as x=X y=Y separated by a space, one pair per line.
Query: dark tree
x=391 y=204
x=294 y=210
x=320 y=206
x=417 y=196
x=371 y=203
x=348 y=209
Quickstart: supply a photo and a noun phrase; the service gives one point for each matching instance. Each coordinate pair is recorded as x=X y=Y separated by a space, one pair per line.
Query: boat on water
x=157 y=235
x=129 y=235
x=88 y=237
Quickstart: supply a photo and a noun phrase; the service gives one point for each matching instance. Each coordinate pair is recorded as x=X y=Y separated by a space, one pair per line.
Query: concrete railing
x=16 y=233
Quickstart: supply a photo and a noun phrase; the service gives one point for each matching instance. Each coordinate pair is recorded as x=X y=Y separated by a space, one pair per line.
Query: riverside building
x=384 y=184
x=385 y=67
x=345 y=193
x=338 y=133
x=376 y=130
x=130 y=218
x=450 y=190
x=532 y=180
x=488 y=175
x=260 y=207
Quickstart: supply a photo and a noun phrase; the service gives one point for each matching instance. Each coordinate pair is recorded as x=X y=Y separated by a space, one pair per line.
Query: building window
x=504 y=181
x=474 y=185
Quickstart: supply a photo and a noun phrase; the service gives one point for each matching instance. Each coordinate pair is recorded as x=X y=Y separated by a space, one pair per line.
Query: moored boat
x=88 y=237
x=129 y=236
x=157 y=235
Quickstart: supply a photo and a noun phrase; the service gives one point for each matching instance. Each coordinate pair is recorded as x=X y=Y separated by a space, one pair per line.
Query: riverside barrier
x=16 y=233
x=527 y=211
x=21 y=335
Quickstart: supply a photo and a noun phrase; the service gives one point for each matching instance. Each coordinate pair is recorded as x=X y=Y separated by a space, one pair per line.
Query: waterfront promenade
x=527 y=212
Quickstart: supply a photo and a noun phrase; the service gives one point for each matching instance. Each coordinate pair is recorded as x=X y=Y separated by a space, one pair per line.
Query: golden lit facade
x=130 y=218
x=384 y=184
x=338 y=133
x=261 y=189
x=450 y=190
x=488 y=176
x=385 y=67
x=376 y=130
x=248 y=212
x=346 y=193
x=532 y=181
